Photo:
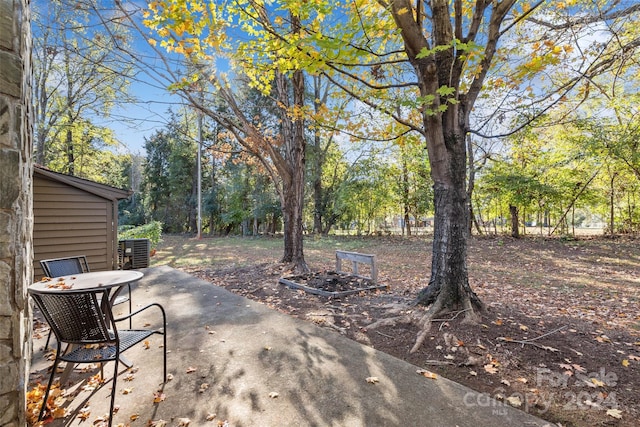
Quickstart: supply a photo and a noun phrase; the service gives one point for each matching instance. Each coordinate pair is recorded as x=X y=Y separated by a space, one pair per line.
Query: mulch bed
x=330 y=283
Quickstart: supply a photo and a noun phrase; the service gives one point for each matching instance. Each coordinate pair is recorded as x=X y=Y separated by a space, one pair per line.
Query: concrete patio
x=236 y=361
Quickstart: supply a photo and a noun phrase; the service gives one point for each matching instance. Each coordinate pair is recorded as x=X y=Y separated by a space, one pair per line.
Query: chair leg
x=46 y=393
x=130 y=307
x=113 y=391
x=46 y=345
x=164 y=348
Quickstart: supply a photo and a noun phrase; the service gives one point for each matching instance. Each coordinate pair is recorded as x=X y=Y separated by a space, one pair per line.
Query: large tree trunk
x=445 y=130
x=448 y=288
x=292 y=197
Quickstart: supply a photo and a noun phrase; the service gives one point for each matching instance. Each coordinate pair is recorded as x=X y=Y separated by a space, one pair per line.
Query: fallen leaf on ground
x=183 y=422
x=428 y=374
x=578 y=368
x=490 y=368
x=158 y=397
x=191 y=369
x=625 y=363
x=211 y=417
x=514 y=401
x=615 y=413
x=203 y=387
x=157 y=423
x=372 y=380
x=273 y=394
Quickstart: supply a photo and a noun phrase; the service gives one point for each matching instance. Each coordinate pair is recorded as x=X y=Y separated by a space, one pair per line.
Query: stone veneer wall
x=16 y=209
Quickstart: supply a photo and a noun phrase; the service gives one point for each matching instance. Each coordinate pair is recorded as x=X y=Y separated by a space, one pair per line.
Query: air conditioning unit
x=133 y=253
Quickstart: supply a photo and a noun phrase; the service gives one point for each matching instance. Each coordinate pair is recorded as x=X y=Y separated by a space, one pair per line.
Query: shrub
x=151 y=231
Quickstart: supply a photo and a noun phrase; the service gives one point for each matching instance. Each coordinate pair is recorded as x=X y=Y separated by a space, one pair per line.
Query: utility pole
x=199 y=235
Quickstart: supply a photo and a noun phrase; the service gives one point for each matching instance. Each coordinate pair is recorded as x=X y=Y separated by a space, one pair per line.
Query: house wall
x=69 y=221
x=15 y=209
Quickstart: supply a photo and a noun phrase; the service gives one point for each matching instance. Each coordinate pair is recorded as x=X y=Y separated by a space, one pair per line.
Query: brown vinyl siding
x=74 y=217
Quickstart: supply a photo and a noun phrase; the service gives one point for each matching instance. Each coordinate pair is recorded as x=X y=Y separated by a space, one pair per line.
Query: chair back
x=76 y=317
x=57 y=267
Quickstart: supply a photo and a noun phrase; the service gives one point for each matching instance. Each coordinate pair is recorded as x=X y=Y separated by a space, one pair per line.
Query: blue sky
x=132 y=122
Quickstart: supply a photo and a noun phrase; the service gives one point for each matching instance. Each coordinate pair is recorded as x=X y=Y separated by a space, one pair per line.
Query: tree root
x=470 y=316
x=392 y=321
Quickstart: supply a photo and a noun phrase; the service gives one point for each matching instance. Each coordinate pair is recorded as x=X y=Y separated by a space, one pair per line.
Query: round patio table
x=88 y=281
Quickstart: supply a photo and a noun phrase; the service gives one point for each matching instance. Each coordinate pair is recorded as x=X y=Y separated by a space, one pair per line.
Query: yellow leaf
x=427 y=374
x=524 y=328
x=625 y=363
x=403 y=11
x=58 y=413
x=134 y=417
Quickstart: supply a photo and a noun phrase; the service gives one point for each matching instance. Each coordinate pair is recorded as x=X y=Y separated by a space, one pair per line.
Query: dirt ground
x=560 y=337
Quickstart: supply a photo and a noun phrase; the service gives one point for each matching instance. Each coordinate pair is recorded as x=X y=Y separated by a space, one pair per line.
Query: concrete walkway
x=237 y=361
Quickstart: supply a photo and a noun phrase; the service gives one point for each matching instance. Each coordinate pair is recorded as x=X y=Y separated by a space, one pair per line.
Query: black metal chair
x=80 y=319
x=57 y=267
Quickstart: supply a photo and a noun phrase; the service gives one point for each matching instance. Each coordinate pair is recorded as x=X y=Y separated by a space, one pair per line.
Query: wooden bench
x=357 y=258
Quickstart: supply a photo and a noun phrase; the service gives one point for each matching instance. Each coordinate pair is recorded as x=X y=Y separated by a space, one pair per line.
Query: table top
x=87 y=281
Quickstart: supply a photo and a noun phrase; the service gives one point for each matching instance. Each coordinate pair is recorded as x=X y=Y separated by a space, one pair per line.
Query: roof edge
x=102 y=190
